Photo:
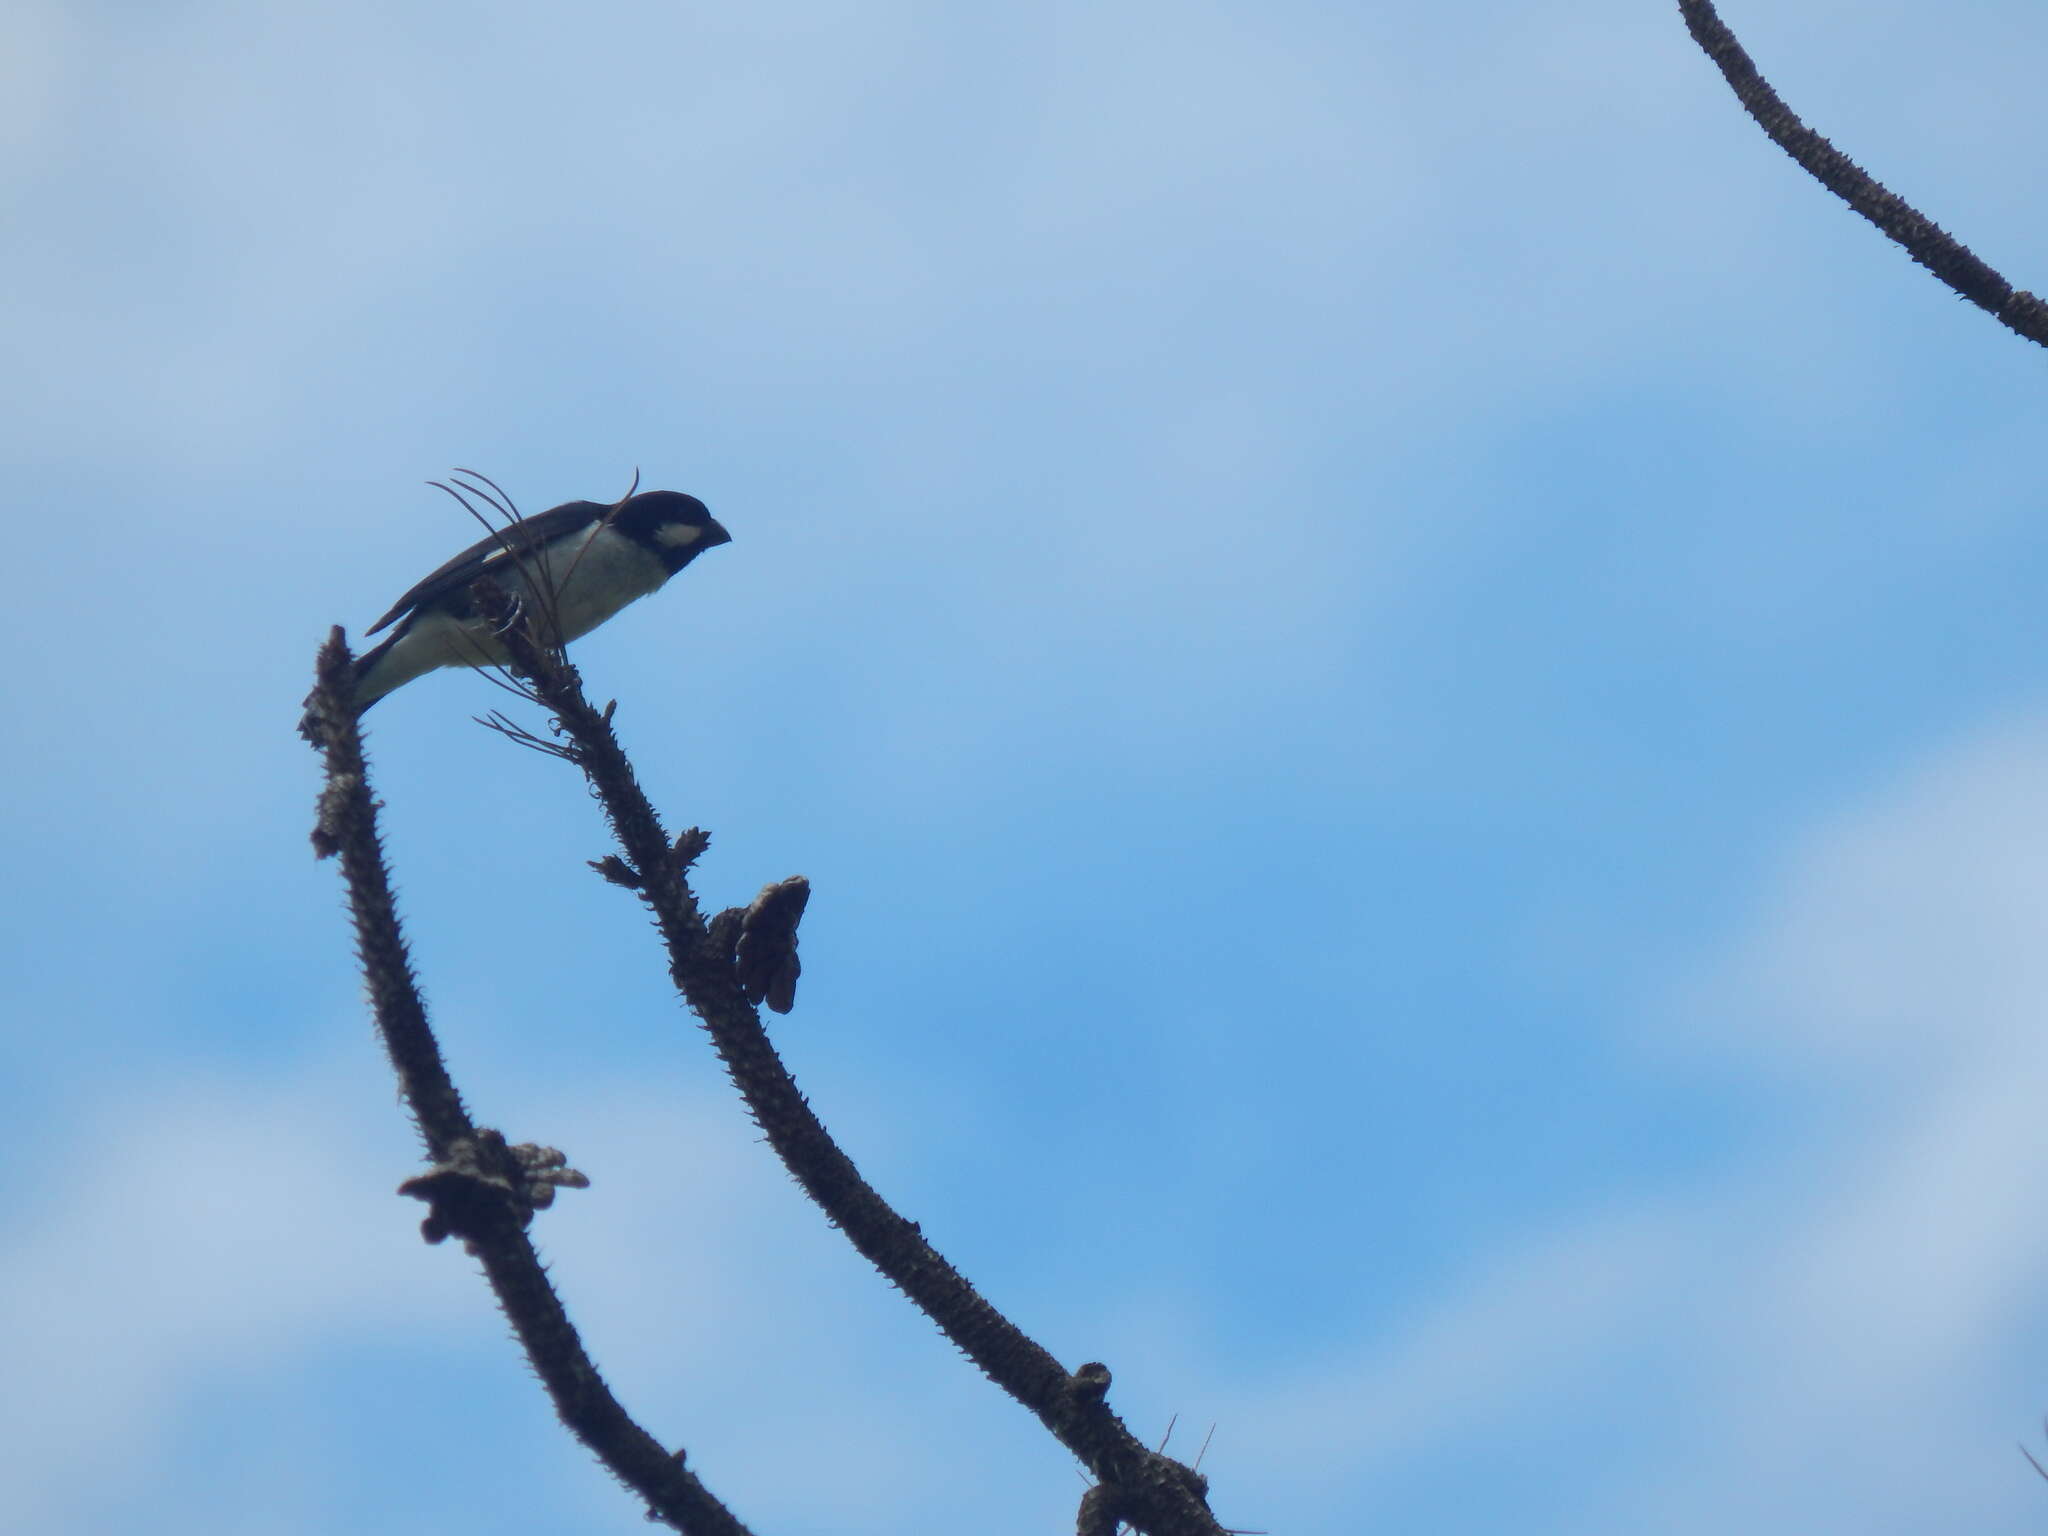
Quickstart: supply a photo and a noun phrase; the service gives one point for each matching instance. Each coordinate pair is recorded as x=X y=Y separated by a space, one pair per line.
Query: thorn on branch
x=483 y=1182
x=764 y=960
x=618 y=871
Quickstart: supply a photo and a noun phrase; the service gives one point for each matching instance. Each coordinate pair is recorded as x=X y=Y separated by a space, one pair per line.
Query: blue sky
x=1407 y=669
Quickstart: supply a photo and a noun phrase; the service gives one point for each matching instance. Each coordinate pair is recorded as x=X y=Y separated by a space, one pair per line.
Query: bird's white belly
x=591 y=576
x=594 y=574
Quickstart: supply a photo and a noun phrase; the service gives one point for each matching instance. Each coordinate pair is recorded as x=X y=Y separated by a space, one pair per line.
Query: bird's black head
x=676 y=527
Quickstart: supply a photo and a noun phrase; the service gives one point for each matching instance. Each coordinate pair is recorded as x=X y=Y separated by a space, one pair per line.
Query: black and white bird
x=569 y=568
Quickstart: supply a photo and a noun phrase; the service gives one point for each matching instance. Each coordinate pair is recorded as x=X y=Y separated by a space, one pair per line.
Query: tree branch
x=1924 y=240
x=1151 y=1491
x=480 y=1189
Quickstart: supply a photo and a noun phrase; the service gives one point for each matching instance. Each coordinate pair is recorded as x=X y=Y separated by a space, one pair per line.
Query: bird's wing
x=512 y=541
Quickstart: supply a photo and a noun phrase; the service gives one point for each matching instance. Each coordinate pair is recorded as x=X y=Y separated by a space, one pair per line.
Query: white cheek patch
x=676 y=535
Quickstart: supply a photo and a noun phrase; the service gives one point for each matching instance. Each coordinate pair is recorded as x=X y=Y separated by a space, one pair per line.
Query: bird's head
x=674 y=526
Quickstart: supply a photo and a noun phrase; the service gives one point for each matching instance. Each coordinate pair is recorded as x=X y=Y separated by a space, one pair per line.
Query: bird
x=570 y=568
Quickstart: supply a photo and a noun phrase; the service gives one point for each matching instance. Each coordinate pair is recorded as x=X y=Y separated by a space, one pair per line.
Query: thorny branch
x=1924 y=240
x=1144 y=1488
x=480 y=1189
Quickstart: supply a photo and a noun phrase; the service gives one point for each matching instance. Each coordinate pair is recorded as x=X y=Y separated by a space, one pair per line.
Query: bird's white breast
x=594 y=575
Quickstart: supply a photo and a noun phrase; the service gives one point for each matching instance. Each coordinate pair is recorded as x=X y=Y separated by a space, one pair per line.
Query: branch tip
x=618 y=871
x=690 y=845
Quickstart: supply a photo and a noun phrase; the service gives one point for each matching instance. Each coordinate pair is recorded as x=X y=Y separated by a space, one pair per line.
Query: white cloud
x=207 y=1228
x=214 y=1232
x=1909 y=932
x=1869 y=1360
x=1527 y=1324
x=1836 y=1329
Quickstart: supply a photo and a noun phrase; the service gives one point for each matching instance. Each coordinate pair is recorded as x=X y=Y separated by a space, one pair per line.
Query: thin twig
x=2030 y=1456
x=497 y=720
